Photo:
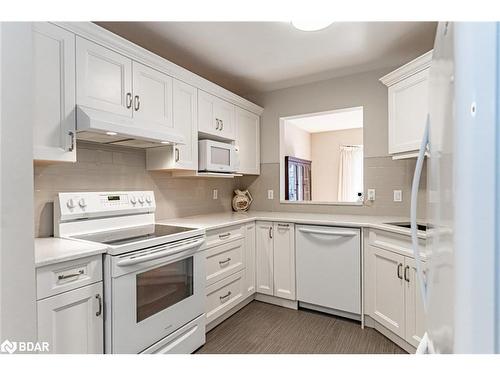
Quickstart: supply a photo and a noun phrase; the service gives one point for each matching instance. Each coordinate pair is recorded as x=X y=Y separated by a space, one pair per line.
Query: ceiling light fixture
x=311 y=25
x=111 y=133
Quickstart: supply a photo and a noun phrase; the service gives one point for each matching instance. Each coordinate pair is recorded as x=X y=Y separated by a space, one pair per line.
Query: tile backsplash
x=114 y=168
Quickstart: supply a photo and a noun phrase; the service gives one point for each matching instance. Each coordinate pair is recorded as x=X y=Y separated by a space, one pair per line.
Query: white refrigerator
x=460 y=286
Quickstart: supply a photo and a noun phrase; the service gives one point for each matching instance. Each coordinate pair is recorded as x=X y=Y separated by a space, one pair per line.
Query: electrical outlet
x=371 y=194
x=270 y=194
x=215 y=194
x=398 y=195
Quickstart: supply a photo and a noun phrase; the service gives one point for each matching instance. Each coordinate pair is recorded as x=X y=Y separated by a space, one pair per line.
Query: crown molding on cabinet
x=420 y=63
x=97 y=34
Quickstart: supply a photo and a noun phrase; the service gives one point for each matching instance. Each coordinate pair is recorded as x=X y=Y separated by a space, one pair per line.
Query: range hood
x=103 y=127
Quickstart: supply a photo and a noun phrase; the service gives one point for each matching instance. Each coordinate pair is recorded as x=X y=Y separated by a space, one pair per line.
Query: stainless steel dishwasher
x=329 y=269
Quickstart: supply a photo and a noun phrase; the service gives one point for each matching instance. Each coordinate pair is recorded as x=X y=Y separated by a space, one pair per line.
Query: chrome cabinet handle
x=63 y=277
x=400 y=267
x=270 y=232
x=218 y=124
x=137 y=102
x=222 y=236
x=407 y=278
x=99 y=298
x=176 y=154
x=224 y=297
x=71 y=147
x=221 y=262
x=283 y=225
x=128 y=101
x=221 y=125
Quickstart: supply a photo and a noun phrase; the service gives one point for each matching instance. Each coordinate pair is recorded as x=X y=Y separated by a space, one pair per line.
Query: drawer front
x=395 y=242
x=224 y=295
x=224 y=260
x=65 y=276
x=219 y=236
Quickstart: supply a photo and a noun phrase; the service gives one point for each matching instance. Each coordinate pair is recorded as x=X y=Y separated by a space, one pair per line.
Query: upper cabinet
x=216 y=117
x=54 y=93
x=408 y=96
x=103 y=78
x=248 y=141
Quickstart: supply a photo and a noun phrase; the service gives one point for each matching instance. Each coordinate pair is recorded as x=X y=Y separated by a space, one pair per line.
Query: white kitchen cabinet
x=264 y=257
x=388 y=289
x=284 y=260
x=216 y=117
x=250 y=258
x=103 y=78
x=153 y=93
x=72 y=322
x=181 y=156
x=414 y=307
x=54 y=93
x=248 y=141
x=408 y=96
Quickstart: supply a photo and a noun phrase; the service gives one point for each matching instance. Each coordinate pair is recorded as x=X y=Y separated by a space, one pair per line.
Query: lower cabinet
x=72 y=322
x=250 y=258
x=393 y=295
x=275 y=259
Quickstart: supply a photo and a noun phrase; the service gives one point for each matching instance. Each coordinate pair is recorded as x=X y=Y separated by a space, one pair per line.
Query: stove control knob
x=70 y=203
x=82 y=203
x=148 y=199
x=141 y=199
x=133 y=199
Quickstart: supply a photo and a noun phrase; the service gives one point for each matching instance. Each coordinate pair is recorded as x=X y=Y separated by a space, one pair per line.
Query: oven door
x=155 y=292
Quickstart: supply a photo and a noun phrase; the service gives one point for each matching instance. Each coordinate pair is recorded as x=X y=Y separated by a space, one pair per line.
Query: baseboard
x=277 y=301
x=330 y=311
x=214 y=323
x=402 y=343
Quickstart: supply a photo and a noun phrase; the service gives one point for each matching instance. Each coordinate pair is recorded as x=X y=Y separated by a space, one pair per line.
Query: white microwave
x=217 y=157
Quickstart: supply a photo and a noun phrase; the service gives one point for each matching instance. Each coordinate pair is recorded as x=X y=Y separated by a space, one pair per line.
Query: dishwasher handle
x=327 y=232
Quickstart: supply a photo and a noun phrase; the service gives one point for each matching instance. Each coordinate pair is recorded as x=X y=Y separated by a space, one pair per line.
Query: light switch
x=371 y=194
x=398 y=195
x=270 y=194
x=215 y=194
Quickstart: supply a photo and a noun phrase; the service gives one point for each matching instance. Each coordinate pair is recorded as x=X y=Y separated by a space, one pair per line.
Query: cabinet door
x=215 y=116
x=72 y=322
x=54 y=93
x=408 y=110
x=184 y=122
x=248 y=141
x=415 y=315
x=250 y=258
x=388 y=290
x=284 y=260
x=264 y=258
x=152 y=97
x=103 y=78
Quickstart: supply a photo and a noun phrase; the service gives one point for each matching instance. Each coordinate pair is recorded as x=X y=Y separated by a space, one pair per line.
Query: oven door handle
x=159 y=254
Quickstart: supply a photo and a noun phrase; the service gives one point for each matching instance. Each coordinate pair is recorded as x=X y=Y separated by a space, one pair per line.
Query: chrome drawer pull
x=63 y=277
x=99 y=298
x=221 y=262
x=400 y=267
x=283 y=225
x=224 y=297
x=407 y=278
x=222 y=236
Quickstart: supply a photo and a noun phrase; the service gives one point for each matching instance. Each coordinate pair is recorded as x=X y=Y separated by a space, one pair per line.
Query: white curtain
x=350 y=173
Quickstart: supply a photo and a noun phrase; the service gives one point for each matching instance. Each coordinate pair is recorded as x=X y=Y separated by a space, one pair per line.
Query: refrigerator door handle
x=413 y=212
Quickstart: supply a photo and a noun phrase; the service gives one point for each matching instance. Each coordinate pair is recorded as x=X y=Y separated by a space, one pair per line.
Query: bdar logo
x=8 y=347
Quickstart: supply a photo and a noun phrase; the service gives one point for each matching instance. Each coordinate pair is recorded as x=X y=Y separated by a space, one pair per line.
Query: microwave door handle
x=159 y=254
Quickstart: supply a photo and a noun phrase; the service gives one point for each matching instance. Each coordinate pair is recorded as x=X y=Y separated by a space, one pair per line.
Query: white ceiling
x=253 y=57
x=351 y=118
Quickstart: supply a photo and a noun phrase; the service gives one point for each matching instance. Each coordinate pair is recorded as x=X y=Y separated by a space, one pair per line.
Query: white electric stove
x=153 y=273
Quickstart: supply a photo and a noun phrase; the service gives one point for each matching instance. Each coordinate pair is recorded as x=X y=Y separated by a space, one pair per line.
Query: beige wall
x=325 y=153
x=113 y=168
x=297 y=142
x=380 y=171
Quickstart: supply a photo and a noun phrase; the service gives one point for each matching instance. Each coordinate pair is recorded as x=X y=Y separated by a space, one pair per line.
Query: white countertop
x=224 y=219
x=55 y=250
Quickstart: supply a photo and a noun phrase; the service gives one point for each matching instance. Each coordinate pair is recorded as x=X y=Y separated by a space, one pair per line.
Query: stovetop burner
x=133 y=234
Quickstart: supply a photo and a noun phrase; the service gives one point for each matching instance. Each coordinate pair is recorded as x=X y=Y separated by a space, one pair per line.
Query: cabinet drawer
x=219 y=236
x=394 y=242
x=65 y=276
x=224 y=295
x=224 y=260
